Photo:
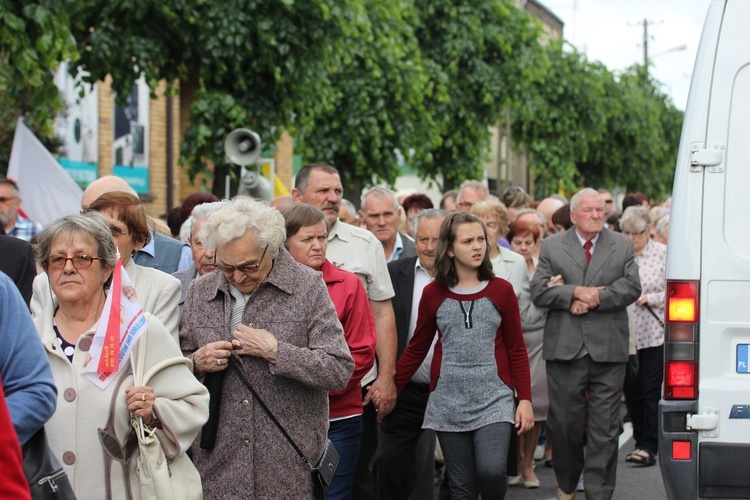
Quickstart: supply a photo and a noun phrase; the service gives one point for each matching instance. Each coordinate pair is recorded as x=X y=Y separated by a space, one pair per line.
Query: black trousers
x=642 y=398
x=405 y=460
x=364 y=484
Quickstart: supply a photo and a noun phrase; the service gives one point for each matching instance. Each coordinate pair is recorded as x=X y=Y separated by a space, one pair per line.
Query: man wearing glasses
x=609 y=205
x=469 y=193
x=13 y=223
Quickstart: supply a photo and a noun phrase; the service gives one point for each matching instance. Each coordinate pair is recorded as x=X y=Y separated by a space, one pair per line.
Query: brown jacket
x=251 y=458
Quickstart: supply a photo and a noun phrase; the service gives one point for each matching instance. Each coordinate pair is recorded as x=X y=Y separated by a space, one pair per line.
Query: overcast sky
x=611 y=31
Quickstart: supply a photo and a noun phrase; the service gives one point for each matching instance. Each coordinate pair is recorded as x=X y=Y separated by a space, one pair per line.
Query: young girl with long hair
x=479 y=364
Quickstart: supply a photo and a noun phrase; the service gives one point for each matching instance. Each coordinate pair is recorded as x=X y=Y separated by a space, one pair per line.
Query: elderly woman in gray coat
x=287 y=341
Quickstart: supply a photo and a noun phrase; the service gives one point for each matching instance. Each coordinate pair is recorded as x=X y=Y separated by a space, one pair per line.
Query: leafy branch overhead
x=361 y=84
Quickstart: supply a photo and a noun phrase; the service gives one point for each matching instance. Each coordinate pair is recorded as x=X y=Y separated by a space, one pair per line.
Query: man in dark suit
x=380 y=215
x=405 y=463
x=17 y=261
x=586 y=343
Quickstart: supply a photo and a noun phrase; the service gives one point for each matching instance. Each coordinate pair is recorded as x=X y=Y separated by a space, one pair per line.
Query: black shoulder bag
x=47 y=479
x=322 y=473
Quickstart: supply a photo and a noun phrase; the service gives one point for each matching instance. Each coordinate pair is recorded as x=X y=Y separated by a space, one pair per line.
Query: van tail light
x=681 y=361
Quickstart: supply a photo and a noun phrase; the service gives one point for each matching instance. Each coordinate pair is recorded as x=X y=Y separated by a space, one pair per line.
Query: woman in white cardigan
x=78 y=255
x=511 y=266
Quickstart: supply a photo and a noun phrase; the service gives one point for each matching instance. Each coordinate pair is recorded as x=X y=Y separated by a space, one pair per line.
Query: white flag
x=128 y=326
x=47 y=191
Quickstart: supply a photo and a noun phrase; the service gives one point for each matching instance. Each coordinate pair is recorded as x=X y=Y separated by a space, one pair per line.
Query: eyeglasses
x=3 y=199
x=79 y=261
x=117 y=231
x=244 y=269
x=633 y=233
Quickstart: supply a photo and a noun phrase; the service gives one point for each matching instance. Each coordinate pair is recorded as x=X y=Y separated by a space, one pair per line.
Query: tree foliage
x=483 y=53
x=34 y=38
x=584 y=125
x=377 y=101
x=255 y=64
x=355 y=81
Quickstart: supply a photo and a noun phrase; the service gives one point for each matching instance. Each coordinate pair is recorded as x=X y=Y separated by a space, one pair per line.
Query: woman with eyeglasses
x=268 y=317
x=643 y=391
x=479 y=362
x=78 y=256
x=158 y=292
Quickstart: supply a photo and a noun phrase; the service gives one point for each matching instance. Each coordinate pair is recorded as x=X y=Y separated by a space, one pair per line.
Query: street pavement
x=632 y=481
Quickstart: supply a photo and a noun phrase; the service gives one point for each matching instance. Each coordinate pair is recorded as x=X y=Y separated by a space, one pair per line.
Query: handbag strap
x=648 y=308
x=176 y=360
x=110 y=427
x=237 y=370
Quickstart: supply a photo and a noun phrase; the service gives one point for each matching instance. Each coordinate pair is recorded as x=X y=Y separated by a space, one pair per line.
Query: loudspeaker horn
x=242 y=146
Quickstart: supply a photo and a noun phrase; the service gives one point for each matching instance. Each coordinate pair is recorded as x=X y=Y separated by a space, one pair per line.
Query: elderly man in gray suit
x=586 y=343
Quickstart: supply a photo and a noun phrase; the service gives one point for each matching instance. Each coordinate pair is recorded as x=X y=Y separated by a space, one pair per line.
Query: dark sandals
x=644 y=458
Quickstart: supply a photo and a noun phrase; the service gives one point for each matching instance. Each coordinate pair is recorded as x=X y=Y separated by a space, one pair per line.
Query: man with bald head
x=547 y=207
x=162 y=252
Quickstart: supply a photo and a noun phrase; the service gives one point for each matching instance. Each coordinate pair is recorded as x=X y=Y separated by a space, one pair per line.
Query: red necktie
x=587 y=246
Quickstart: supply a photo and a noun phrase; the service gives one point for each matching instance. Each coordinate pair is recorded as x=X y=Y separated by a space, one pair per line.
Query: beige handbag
x=158 y=477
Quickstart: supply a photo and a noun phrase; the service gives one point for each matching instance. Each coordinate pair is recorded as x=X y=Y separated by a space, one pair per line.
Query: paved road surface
x=632 y=482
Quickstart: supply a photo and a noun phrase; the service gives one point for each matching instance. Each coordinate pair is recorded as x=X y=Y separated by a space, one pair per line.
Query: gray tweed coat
x=251 y=458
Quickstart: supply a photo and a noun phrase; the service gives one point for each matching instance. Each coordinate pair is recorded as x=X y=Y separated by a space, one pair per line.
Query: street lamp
x=646 y=57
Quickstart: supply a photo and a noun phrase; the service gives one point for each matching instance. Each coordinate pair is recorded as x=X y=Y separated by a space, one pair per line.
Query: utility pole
x=645 y=45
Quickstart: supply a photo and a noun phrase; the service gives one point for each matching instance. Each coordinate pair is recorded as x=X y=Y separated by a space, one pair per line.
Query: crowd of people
x=490 y=333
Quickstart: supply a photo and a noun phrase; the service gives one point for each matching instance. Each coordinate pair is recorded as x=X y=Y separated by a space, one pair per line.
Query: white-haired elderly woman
x=273 y=319
x=643 y=392
x=78 y=254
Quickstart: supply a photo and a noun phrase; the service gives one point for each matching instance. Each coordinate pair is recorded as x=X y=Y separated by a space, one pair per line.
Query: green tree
x=584 y=125
x=561 y=117
x=377 y=106
x=34 y=38
x=638 y=148
x=484 y=54
x=253 y=64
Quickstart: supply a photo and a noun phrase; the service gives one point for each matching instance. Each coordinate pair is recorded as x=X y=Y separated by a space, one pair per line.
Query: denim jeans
x=345 y=435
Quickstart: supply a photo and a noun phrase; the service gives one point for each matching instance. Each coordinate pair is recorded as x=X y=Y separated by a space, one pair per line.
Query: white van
x=704 y=414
